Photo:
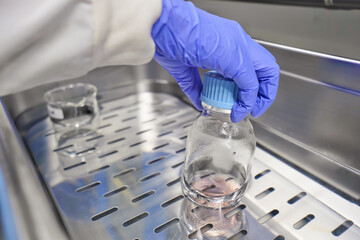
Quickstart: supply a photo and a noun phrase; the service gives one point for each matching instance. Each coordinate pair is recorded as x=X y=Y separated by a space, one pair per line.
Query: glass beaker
x=74 y=112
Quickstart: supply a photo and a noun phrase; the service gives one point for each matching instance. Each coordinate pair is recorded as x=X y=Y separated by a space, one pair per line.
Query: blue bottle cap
x=219 y=91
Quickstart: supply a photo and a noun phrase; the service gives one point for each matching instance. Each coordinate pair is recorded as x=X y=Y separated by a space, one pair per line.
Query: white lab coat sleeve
x=44 y=41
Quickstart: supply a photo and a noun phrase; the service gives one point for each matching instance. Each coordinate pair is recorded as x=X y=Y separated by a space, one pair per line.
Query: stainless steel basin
x=130 y=188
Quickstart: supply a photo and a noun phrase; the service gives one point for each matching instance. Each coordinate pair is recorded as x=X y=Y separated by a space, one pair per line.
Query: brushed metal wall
x=319 y=119
x=330 y=31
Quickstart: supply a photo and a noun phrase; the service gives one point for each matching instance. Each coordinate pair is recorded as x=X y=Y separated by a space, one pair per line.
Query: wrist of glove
x=187 y=38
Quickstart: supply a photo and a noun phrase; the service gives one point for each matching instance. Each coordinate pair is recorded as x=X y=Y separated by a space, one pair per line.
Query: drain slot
x=94 y=138
x=153 y=119
x=166 y=225
x=99 y=169
x=156 y=160
x=171 y=201
x=183 y=137
x=268 y=216
x=113 y=109
x=108 y=154
x=123 y=129
x=142 y=196
x=130 y=170
x=133 y=110
x=207 y=188
x=264 y=193
x=181 y=150
x=86 y=151
x=195 y=209
x=296 y=198
x=135 y=219
x=165 y=133
x=301 y=223
x=74 y=166
x=128 y=119
x=116 y=140
x=206 y=175
x=203 y=230
x=105 y=213
x=234 y=211
x=144 y=131
x=262 y=173
x=109 y=117
x=169 y=184
x=168 y=123
x=149 y=177
x=178 y=164
x=238 y=235
x=49 y=134
x=160 y=146
x=137 y=143
x=104 y=126
x=87 y=187
x=280 y=237
x=62 y=148
x=113 y=192
x=342 y=228
x=131 y=157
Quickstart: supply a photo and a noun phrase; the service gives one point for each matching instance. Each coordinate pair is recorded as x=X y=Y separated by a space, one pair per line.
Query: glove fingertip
x=256 y=114
x=198 y=105
x=260 y=107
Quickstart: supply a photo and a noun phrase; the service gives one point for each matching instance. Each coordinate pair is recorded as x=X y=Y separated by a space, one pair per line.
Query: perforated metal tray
x=130 y=188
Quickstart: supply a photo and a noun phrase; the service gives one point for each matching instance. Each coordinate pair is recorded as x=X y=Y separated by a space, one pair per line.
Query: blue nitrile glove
x=187 y=37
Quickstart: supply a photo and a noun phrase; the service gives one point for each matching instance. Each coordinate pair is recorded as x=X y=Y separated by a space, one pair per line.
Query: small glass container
x=219 y=152
x=74 y=112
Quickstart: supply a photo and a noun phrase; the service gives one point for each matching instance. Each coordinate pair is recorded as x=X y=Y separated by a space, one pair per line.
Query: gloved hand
x=187 y=37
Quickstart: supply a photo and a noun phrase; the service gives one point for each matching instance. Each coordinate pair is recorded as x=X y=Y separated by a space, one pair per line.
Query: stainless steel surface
x=331 y=71
x=130 y=189
x=322 y=30
x=347 y=4
x=33 y=213
x=316 y=111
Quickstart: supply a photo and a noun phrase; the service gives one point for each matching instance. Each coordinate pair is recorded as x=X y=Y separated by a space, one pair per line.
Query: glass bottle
x=219 y=152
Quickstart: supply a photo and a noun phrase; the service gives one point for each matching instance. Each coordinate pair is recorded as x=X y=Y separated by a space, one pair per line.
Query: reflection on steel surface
x=129 y=191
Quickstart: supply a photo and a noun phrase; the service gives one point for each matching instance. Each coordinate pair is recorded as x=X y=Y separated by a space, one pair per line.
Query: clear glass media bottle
x=219 y=152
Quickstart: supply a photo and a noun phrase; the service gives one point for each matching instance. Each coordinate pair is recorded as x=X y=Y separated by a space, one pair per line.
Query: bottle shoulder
x=222 y=127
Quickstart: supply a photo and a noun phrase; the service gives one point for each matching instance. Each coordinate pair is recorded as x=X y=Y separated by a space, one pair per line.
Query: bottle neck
x=210 y=110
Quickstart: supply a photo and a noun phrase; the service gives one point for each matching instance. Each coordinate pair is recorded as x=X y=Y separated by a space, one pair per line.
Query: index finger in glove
x=267 y=72
x=240 y=69
x=187 y=77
